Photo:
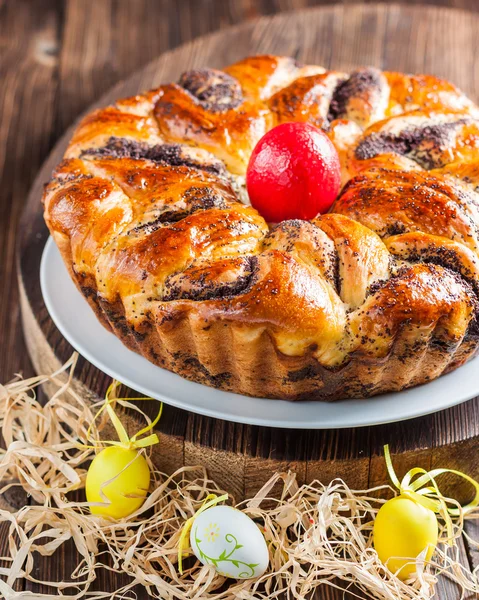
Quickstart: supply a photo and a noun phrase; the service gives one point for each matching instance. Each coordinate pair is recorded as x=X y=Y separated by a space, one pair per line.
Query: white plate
x=77 y=322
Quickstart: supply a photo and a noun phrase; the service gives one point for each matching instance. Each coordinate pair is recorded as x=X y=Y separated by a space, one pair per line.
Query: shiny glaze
x=391 y=202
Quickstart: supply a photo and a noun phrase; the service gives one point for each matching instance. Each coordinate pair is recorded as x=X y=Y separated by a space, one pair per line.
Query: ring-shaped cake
x=150 y=212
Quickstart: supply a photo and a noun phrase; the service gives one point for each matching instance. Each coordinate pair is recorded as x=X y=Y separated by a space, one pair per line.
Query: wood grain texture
x=28 y=71
x=58 y=57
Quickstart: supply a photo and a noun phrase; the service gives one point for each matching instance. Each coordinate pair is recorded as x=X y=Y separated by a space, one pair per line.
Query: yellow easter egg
x=404 y=528
x=131 y=479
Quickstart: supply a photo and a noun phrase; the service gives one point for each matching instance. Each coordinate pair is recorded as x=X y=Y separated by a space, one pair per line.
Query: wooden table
x=57 y=57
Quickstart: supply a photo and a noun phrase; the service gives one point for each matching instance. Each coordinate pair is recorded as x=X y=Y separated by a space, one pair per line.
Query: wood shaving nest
x=318 y=535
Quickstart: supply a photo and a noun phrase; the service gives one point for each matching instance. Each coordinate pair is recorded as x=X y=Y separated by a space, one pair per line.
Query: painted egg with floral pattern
x=230 y=541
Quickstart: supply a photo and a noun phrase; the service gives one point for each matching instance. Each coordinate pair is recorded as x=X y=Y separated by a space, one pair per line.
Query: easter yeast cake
x=150 y=211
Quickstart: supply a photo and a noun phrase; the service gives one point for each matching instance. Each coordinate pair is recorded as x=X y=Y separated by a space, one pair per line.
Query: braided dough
x=150 y=213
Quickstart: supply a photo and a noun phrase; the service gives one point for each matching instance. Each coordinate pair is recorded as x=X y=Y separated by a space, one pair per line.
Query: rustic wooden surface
x=58 y=57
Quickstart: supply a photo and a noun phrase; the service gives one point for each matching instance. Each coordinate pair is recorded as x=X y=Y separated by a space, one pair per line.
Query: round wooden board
x=240 y=457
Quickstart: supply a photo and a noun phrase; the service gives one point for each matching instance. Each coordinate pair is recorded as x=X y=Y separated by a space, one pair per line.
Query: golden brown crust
x=306 y=99
x=424 y=92
x=378 y=295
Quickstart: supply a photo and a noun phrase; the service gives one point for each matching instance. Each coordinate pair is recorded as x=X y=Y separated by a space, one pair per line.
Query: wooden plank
x=340 y=454
x=30 y=40
x=270 y=450
x=415 y=435
x=28 y=71
x=220 y=447
x=445 y=588
x=471 y=527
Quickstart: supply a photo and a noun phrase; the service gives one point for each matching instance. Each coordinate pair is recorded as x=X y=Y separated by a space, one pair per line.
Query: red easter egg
x=293 y=173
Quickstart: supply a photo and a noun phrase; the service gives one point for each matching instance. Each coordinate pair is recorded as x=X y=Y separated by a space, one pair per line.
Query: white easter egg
x=230 y=541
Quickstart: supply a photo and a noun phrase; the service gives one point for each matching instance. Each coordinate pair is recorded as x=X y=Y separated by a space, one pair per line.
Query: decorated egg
x=404 y=529
x=118 y=479
x=293 y=173
x=230 y=541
